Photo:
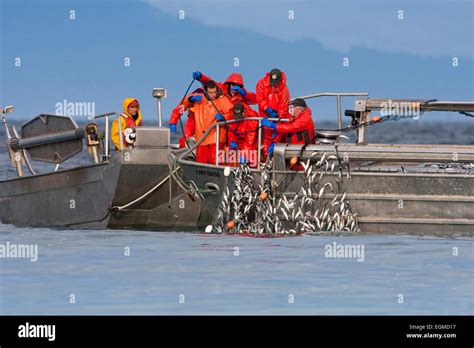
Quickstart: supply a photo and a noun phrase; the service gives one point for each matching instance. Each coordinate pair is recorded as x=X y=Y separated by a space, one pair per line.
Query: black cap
x=298 y=102
x=239 y=110
x=275 y=77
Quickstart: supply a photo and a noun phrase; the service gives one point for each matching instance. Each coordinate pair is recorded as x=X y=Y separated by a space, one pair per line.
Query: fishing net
x=259 y=204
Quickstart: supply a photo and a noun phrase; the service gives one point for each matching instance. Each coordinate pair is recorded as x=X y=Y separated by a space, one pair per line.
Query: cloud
x=433 y=28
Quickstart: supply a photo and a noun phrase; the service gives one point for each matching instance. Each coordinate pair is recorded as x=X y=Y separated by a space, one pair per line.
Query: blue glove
x=269 y=124
x=173 y=127
x=242 y=160
x=197 y=75
x=239 y=90
x=233 y=145
x=272 y=113
x=195 y=98
x=219 y=117
x=271 y=148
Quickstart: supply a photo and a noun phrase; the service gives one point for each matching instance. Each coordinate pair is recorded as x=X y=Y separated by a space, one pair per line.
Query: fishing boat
x=78 y=197
x=147 y=198
x=128 y=189
x=345 y=186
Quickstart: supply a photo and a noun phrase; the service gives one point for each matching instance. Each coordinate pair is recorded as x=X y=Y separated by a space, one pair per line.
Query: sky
x=395 y=49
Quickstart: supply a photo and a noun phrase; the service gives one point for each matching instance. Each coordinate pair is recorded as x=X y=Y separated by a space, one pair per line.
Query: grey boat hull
x=167 y=208
x=387 y=202
x=77 y=198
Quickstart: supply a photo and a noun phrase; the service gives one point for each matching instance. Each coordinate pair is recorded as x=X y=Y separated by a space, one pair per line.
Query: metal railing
x=106 y=140
x=259 y=134
x=338 y=95
x=218 y=125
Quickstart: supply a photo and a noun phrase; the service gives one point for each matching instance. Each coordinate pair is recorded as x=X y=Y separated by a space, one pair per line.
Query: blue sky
x=82 y=60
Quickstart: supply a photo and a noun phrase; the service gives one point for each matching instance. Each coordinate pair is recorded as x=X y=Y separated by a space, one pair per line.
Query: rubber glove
x=271 y=148
x=173 y=127
x=271 y=112
x=197 y=75
x=269 y=124
x=195 y=98
x=233 y=145
x=219 y=117
x=239 y=90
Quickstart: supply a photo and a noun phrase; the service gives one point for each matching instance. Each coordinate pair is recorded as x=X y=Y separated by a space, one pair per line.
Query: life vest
x=129 y=131
x=301 y=137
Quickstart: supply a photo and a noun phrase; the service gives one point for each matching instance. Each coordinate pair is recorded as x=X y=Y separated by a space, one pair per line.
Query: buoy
x=293 y=160
x=230 y=225
x=227 y=171
x=376 y=118
x=263 y=196
x=208 y=229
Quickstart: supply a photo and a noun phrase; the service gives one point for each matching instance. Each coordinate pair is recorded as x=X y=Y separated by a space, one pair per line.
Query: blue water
x=261 y=280
x=162 y=266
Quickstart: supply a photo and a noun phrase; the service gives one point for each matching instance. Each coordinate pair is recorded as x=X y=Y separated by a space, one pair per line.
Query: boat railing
x=339 y=96
x=218 y=125
x=107 y=136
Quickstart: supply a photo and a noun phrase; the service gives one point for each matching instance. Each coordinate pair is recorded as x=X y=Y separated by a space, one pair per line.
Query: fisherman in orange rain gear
x=273 y=98
x=208 y=109
x=130 y=119
x=233 y=88
x=190 y=125
x=243 y=135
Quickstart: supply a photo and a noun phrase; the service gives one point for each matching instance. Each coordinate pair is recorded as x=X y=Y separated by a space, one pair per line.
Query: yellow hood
x=126 y=103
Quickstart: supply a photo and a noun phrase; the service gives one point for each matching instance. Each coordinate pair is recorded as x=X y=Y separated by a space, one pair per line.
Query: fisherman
x=233 y=88
x=300 y=128
x=243 y=136
x=273 y=99
x=208 y=109
x=190 y=124
x=130 y=119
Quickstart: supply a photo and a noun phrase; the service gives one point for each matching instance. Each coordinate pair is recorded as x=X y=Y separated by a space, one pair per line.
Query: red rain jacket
x=245 y=133
x=277 y=98
x=300 y=129
x=190 y=125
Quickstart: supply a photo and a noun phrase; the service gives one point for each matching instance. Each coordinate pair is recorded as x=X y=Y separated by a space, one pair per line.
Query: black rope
x=468 y=114
x=180 y=121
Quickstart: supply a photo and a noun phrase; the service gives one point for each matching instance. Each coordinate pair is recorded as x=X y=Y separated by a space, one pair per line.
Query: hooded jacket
x=127 y=122
x=235 y=78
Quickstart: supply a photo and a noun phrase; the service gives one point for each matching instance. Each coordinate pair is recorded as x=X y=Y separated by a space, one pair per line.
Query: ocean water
x=136 y=272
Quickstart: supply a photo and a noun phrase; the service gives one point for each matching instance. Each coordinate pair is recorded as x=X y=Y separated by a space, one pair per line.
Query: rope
x=146 y=194
x=468 y=114
x=181 y=103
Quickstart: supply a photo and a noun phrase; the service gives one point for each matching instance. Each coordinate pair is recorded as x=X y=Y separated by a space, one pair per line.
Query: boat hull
x=386 y=203
x=78 y=198
x=167 y=208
